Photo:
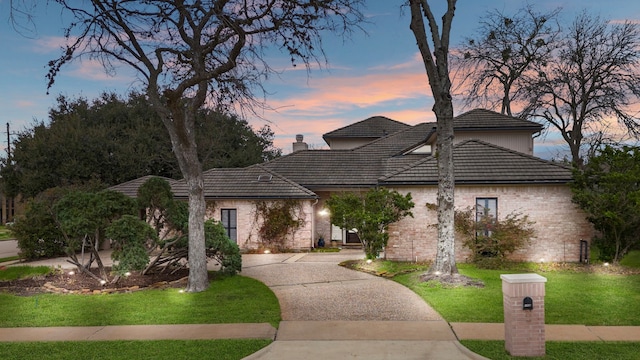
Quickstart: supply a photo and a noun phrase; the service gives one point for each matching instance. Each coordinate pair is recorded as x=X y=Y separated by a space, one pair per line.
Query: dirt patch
x=453 y=280
x=72 y=282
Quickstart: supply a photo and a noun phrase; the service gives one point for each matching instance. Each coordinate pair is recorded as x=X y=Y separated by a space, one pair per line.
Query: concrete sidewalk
x=321 y=331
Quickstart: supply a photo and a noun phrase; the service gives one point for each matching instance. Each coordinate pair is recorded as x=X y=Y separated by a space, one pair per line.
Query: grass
x=9 y=258
x=19 y=272
x=632 y=259
x=5 y=234
x=560 y=350
x=325 y=250
x=157 y=350
x=571 y=297
x=235 y=299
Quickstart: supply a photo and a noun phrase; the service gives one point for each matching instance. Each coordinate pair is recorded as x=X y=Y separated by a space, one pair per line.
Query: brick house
x=495 y=171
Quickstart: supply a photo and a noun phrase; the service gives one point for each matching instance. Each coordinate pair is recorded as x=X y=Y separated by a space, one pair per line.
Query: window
x=486 y=215
x=228 y=218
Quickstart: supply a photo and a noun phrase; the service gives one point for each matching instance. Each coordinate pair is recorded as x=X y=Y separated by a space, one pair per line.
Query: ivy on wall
x=279 y=219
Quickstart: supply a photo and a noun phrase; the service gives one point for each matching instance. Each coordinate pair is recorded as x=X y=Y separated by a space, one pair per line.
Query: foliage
x=608 y=190
x=168 y=219
x=492 y=240
x=114 y=140
x=37 y=232
x=221 y=248
x=129 y=236
x=370 y=214
x=221 y=349
x=278 y=220
x=83 y=218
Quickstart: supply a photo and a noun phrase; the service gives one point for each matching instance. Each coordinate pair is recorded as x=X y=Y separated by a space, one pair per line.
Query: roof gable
x=253 y=182
x=373 y=127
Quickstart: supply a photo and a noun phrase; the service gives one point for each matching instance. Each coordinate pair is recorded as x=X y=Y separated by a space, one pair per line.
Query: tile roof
x=373 y=127
x=478 y=162
x=130 y=188
x=481 y=119
x=253 y=182
x=359 y=167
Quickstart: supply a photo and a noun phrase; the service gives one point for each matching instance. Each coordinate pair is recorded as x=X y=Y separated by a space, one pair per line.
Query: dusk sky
x=378 y=73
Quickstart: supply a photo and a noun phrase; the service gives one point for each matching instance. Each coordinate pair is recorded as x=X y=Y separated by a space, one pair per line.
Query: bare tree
x=493 y=66
x=594 y=76
x=436 y=64
x=191 y=54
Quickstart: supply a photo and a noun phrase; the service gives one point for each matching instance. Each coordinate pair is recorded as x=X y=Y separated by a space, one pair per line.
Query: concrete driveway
x=330 y=312
x=313 y=287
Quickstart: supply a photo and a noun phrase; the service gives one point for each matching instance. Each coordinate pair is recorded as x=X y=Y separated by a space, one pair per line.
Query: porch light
x=323 y=212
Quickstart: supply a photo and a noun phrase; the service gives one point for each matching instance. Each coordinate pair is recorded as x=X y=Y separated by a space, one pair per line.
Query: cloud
x=49 y=44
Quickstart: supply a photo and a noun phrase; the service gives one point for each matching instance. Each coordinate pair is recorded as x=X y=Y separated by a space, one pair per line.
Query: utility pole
x=8 y=145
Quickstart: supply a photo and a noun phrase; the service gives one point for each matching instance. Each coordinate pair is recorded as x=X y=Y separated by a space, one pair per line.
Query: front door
x=352 y=237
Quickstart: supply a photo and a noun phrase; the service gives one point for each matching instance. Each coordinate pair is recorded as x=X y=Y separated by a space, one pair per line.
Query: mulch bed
x=73 y=282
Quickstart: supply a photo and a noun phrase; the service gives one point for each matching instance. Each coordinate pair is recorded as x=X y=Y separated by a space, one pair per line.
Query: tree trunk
x=446 y=256
x=198 y=275
x=436 y=65
x=178 y=116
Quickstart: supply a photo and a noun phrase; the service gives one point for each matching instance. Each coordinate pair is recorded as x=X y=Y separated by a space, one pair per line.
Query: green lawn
x=235 y=299
x=561 y=350
x=5 y=234
x=156 y=350
x=571 y=297
x=18 y=272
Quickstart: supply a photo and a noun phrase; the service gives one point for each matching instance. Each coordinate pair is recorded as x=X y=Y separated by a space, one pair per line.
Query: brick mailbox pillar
x=523 y=300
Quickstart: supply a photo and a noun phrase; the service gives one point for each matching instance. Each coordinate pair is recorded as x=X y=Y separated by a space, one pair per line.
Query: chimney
x=299 y=144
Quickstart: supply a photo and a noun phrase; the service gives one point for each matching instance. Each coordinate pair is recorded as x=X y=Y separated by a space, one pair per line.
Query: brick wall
x=560 y=224
x=248 y=224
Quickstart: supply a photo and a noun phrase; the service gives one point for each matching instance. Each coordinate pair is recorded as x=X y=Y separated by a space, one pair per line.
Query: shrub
x=221 y=248
x=129 y=235
x=492 y=240
x=36 y=231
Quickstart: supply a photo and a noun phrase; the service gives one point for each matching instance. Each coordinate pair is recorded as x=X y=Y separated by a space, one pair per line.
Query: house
x=495 y=170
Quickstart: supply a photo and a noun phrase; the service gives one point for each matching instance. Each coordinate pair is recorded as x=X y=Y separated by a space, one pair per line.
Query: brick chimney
x=299 y=144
